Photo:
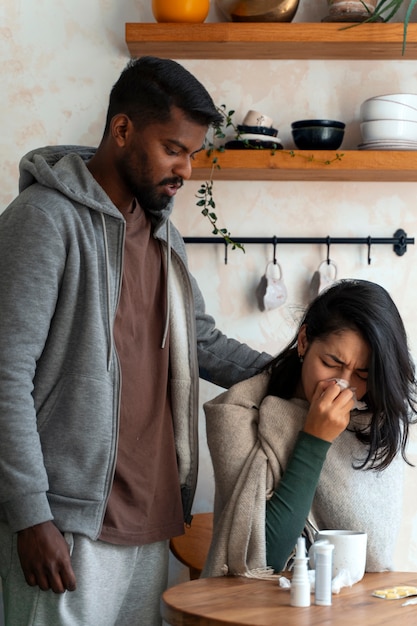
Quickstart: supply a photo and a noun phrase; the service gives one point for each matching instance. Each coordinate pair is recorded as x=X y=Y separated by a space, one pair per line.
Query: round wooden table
x=248 y=602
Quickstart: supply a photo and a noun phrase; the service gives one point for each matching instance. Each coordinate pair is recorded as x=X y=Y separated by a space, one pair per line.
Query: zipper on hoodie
x=112 y=350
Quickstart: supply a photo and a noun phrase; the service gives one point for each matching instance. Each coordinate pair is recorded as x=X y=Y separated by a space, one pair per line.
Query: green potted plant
x=386 y=9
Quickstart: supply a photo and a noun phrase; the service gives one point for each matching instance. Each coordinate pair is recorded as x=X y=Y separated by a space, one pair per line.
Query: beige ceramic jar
x=350 y=10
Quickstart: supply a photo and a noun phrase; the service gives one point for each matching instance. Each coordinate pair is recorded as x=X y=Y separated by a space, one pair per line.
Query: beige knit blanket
x=250 y=438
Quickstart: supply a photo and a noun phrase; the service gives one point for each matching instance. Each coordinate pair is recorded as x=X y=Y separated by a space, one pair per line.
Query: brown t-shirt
x=145 y=501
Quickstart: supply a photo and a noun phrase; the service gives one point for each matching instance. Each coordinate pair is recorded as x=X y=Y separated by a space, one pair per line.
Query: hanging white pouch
x=323 y=277
x=271 y=291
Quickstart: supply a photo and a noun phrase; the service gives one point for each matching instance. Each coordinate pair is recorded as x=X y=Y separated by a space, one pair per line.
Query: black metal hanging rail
x=399 y=241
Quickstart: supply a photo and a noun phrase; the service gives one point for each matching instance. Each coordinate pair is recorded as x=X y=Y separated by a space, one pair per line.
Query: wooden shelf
x=354 y=165
x=251 y=40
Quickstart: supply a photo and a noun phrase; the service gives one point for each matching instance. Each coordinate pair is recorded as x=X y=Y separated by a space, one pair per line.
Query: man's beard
x=149 y=198
x=146 y=193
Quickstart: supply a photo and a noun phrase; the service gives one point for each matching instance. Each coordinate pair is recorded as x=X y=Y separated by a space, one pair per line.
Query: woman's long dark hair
x=367 y=308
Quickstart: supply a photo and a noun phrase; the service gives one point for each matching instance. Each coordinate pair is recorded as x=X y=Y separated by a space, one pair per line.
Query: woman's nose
x=346 y=375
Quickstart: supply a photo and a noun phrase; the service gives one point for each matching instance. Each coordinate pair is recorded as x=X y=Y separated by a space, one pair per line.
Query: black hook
x=328 y=242
x=274 y=243
x=400 y=247
x=225 y=252
x=369 y=249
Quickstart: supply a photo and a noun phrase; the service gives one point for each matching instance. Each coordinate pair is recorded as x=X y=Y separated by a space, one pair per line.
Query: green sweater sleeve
x=287 y=510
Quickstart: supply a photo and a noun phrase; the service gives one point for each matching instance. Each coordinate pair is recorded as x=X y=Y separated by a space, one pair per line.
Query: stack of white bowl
x=389 y=122
x=256 y=132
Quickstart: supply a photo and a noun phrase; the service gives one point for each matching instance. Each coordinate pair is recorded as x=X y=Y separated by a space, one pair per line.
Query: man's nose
x=184 y=168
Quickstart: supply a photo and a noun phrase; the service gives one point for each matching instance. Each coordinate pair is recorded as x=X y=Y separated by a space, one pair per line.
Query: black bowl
x=318 y=137
x=259 y=130
x=307 y=123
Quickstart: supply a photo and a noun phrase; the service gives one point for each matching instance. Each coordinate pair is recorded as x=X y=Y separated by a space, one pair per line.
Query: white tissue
x=358 y=404
x=284 y=582
x=342 y=579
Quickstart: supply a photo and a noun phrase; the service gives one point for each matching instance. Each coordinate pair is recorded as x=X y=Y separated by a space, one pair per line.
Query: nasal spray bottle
x=300 y=583
x=323 y=556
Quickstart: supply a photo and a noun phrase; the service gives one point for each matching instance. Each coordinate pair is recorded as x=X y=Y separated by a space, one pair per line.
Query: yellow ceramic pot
x=180 y=10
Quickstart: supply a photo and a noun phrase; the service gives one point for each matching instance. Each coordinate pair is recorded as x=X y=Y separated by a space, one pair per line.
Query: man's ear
x=120 y=127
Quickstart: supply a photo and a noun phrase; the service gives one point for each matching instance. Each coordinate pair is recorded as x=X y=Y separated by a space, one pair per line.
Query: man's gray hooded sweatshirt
x=61 y=258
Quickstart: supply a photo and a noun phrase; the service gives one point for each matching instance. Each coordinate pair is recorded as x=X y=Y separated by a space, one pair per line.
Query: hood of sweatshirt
x=63 y=168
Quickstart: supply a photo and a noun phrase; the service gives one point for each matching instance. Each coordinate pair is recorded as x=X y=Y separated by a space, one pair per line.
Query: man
x=102 y=334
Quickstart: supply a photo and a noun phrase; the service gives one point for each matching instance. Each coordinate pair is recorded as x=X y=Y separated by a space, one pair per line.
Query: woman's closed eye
x=336 y=366
x=332 y=365
x=362 y=375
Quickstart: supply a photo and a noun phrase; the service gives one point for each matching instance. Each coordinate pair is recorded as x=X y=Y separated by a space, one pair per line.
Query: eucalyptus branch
x=205 y=200
x=205 y=193
x=311 y=157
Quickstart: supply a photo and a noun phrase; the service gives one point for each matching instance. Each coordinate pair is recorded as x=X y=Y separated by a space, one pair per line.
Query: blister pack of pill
x=395 y=593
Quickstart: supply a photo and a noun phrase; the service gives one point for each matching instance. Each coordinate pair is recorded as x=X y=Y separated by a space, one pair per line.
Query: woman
x=291 y=450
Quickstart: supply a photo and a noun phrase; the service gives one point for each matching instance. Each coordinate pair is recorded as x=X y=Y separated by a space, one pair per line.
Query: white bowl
x=380 y=109
x=400 y=98
x=244 y=136
x=376 y=130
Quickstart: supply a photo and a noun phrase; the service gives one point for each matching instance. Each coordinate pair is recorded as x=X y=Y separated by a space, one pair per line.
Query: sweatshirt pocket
x=77 y=429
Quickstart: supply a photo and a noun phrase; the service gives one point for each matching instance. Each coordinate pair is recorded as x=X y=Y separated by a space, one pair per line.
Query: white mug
x=349 y=552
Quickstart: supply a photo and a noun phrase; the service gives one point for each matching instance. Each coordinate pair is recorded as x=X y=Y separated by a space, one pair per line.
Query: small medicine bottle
x=300 y=583
x=323 y=553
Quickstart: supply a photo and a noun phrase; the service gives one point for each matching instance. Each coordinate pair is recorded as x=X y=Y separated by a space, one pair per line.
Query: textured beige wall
x=58 y=62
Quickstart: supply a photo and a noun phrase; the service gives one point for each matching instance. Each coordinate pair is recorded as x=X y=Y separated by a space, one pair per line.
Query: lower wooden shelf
x=321 y=165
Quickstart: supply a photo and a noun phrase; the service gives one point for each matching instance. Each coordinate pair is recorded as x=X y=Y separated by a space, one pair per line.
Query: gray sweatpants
x=116 y=586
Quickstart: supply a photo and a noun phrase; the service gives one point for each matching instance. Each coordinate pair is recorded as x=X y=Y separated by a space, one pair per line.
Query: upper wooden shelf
x=354 y=165
x=251 y=40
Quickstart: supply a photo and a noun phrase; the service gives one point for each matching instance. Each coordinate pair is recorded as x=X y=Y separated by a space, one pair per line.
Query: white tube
x=323 y=565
